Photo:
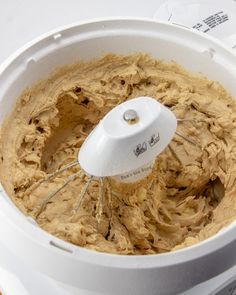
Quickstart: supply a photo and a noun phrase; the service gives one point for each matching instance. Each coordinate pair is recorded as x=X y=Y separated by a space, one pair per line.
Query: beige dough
x=191 y=193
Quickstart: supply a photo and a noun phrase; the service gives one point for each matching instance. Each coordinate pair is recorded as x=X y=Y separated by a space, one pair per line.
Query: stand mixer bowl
x=77 y=268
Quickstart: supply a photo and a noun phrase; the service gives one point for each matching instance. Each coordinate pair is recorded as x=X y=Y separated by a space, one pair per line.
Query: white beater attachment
x=124 y=146
x=127 y=140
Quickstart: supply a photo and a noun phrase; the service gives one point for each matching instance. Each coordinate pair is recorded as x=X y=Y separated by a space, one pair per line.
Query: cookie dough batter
x=191 y=193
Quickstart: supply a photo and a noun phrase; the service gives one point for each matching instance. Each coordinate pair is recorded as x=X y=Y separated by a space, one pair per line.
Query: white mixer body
x=78 y=268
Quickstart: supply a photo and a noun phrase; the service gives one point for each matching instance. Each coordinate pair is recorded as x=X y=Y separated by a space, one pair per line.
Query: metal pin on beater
x=122 y=146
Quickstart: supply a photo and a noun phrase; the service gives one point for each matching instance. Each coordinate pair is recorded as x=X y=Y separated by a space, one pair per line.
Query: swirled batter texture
x=191 y=193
